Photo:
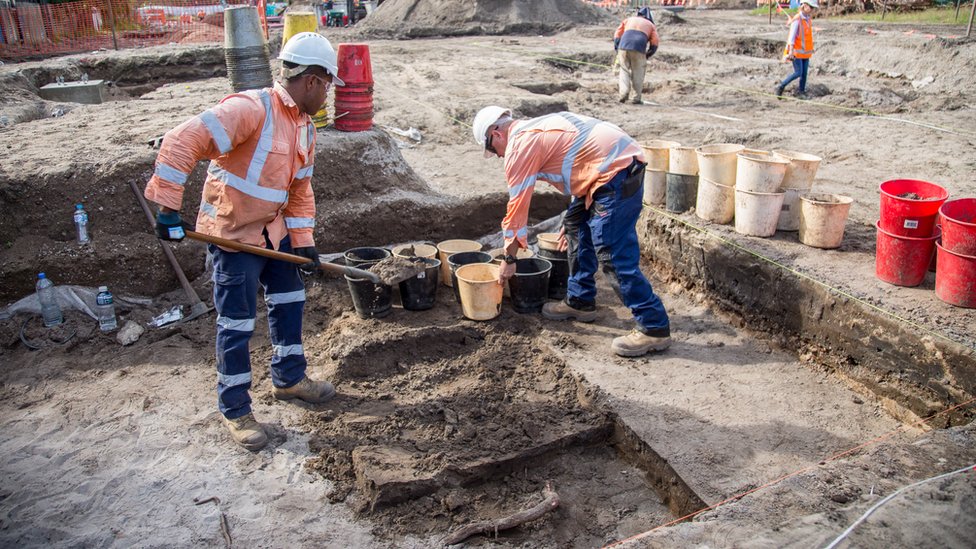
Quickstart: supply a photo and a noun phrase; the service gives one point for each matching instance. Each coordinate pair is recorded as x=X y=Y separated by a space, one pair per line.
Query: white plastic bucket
x=656 y=151
x=481 y=294
x=823 y=218
x=756 y=214
x=717 y=162
x=655 y=187
x=789 y=213
x=801 y=170
x=418 y=249
x=682 y=160
x=759 y=171
x=715 y=202
x=448 y=247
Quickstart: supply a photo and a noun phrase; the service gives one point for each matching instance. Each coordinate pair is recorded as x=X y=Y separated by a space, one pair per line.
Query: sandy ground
x=108 y=446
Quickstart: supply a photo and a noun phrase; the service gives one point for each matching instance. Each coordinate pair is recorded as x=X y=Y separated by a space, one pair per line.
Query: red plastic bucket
x=955 y=280
x=958 y=219
x=904 y=215
x=354 y=65
x=902 y=260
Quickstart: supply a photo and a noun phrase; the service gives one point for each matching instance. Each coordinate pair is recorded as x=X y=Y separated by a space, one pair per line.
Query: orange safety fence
x=33 y=30
x=634 y=3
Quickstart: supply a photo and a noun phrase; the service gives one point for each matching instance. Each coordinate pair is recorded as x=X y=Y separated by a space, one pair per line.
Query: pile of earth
x=424 y=18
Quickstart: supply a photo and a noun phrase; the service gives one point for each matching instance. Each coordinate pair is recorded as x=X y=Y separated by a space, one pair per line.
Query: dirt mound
x=422 y=18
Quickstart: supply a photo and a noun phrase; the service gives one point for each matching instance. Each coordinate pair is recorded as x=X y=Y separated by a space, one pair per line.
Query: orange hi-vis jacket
x=574 y=153
x=262 y=150
x=803 y=43
x=635 y=33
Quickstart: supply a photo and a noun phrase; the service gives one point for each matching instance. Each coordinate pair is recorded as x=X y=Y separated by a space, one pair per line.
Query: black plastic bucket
x=418 y=293
x=371 y=300
x=464 y=258
x=530 y=285
x=559 y=276
x=682 y=192
x=355 y=257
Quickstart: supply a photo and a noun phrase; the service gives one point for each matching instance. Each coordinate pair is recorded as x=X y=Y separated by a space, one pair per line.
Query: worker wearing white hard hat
x=799 y=48
x=602 y=169
x=258 y=191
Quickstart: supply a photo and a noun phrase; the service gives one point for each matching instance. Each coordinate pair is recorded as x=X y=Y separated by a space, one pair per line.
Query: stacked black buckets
x=245 y=50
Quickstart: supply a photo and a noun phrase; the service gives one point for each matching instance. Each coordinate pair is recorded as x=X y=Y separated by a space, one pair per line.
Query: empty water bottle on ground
x=81 y=223
x=49 y=302
x=105 y=309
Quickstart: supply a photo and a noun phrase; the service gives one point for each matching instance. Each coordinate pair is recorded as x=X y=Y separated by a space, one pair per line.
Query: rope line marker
x=776 y=481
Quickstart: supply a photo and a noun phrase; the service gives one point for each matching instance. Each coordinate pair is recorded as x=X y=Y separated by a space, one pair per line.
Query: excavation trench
x=444 y=425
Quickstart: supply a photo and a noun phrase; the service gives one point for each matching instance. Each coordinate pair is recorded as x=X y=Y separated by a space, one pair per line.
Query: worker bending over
x=602 y=168
x=635 y=42
x=261 y=146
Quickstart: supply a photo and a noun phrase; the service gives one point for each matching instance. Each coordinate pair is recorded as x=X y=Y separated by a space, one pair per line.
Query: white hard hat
x=311 y=48
x=811 y=3
x=483 y=120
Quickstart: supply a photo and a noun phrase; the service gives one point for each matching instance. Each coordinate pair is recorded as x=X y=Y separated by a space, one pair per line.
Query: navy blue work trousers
x=236 y=278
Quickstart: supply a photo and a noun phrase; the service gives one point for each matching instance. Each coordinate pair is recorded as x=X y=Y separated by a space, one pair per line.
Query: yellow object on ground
x=298 y=22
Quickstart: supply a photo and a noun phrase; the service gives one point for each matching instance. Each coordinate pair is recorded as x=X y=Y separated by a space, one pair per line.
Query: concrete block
x=91 y=92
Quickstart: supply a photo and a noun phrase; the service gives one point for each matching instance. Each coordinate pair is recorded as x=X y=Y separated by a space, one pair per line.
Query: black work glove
x=170 y=226
x=313 y=257
x=651 y=50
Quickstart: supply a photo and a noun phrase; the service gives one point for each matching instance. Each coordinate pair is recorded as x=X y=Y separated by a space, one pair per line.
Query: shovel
x=282 y=256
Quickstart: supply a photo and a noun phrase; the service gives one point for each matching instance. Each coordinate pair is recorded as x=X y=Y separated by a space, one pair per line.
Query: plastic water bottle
x=49 y=302
x=105 y=309
x=81 y=223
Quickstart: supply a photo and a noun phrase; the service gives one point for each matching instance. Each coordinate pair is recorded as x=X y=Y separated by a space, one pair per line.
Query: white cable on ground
x=875 y=507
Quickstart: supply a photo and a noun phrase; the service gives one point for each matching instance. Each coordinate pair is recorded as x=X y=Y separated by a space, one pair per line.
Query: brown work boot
x=313 y=392
x=560 y=310
x=247 y=432
x=637 y=343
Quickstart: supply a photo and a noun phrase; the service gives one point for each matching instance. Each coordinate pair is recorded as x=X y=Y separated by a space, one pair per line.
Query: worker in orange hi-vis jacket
x=602 y=169
x=799 y=47
x=635 y=41
x=261 y=147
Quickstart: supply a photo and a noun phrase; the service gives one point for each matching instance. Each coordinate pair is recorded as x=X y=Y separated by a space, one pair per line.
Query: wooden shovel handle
x=281 y=256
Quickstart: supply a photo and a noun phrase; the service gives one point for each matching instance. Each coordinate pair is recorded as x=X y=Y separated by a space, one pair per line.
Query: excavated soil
x=440 y=421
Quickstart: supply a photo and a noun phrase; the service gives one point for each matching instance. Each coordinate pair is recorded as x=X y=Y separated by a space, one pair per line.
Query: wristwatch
x=509 y=258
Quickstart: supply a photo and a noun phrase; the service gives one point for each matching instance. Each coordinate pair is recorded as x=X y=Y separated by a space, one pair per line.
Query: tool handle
x=281 y=256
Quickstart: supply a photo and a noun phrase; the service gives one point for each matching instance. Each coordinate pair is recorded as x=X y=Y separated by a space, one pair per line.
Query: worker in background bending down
x=635 y=42
x=261 y=146
x=602 y=168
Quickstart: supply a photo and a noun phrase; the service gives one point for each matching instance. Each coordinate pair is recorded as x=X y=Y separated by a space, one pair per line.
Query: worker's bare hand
x=563 y=244
x=505 y=271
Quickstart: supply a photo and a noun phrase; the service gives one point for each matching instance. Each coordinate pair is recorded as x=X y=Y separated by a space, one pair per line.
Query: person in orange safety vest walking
x=635 y=41
x=261 y=147
x=799 y=47
x=602 y=169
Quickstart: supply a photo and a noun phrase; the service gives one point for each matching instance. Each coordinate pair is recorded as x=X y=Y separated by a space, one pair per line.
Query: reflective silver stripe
x=515 y=191
x=171 y=174
x=583 y=127
x=299 y=222
x=523 y=232
x=618 y=147
x=241 y=325
x=305 y=172
x=265 y=143
x=287 y=350
x=233 y=380
x=250 y=184
x=208 y=209
x=246 y=187
x=286 y=297
x=217 y=131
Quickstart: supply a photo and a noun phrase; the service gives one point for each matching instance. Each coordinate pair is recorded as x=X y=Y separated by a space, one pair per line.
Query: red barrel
x=959 y=226
x=955 y=279
x=902 y=260
x=903 y=214
x=354 y=101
